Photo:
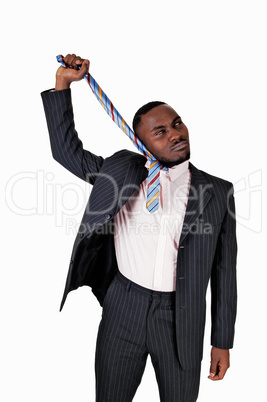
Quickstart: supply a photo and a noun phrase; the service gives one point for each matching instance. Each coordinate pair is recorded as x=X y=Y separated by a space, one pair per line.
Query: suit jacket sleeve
x=67 y=148
x=223 y=282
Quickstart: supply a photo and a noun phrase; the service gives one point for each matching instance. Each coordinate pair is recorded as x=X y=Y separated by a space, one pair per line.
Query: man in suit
x=149 y=271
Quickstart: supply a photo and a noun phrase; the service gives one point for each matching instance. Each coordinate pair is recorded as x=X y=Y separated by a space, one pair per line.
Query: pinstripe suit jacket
x=207 y=248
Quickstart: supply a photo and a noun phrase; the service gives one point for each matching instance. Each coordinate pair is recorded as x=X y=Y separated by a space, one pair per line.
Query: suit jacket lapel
x=108 y=196
x=135 y=175
x=199 y=195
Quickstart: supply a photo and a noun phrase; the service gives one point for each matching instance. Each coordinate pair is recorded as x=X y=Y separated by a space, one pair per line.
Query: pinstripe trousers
x=136 y=322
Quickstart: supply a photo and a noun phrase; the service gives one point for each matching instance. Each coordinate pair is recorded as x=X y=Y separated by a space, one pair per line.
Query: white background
x=207 y=59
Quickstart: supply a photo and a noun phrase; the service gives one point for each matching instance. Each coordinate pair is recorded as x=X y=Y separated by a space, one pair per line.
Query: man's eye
x=178 y=123
x=159 y=132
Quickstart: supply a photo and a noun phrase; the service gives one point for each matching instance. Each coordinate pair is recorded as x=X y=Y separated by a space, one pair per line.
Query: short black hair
x=143 y=110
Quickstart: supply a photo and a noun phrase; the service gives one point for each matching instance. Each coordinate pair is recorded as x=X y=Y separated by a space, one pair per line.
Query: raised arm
x=67 y=148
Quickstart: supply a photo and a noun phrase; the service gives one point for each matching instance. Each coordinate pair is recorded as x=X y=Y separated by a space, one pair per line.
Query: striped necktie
x=153 y=187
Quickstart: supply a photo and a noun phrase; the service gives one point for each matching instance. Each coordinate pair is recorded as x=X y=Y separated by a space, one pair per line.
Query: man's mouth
x=179 y=146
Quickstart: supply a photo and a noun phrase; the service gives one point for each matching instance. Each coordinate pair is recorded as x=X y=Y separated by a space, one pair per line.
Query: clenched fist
x=66 y=75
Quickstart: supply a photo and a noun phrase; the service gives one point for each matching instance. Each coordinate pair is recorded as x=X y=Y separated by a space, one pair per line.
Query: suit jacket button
x=71 y=261
x=107 y=217
x=81 y=235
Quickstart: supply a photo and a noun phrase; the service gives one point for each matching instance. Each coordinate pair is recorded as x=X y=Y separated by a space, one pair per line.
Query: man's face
x=165 y=135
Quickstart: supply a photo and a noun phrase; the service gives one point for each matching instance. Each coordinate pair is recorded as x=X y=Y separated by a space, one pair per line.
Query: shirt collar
x=175 y=171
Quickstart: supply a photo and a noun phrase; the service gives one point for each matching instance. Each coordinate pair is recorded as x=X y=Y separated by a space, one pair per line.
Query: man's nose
x=174 y=135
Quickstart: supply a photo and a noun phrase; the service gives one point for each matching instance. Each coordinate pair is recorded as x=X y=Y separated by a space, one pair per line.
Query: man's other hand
x=72 y=72
x=220 y=362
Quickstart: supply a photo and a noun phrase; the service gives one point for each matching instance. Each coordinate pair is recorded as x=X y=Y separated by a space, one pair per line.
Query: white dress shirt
x=146 y=243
